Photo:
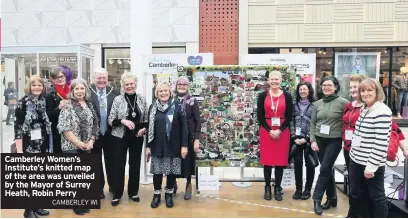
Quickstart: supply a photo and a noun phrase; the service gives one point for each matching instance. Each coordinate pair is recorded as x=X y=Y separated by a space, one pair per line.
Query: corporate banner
x=164 y=68
x=304 y=65
x=347 y=64
x=228 y=97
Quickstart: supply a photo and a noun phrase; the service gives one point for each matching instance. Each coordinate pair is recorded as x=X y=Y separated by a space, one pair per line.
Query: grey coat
x=120 y=111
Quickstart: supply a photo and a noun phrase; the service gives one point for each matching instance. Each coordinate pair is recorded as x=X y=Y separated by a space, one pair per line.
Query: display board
x=228 y=97
x=304 y=65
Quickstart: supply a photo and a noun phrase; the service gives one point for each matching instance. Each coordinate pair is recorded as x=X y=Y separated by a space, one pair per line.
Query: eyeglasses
x=327 y=85
x=59 y=77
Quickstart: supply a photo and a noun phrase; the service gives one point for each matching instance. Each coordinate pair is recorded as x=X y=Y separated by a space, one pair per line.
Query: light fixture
x=110 y=61
x=119 y=61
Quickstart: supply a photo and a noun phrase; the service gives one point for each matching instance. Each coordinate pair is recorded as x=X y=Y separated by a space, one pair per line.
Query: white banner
x=303 y=64
x=168 y=63
x=164 y=68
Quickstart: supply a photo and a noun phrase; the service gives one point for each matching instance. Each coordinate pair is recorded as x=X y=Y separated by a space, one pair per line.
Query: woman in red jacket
x=351 y=114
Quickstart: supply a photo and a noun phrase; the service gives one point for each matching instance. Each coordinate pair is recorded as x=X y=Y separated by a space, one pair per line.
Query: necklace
x=101 y=97
x=133 y=107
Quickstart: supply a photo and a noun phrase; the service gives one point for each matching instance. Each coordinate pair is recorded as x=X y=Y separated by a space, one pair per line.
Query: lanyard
x=359 y=126
x=274 y=109
x=350 y=117
x=302 y=113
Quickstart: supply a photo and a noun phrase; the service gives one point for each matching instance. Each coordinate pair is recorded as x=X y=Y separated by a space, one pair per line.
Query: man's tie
x=103 y=112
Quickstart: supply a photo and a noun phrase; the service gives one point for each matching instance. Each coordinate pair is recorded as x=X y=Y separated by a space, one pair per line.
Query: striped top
x=373 y=127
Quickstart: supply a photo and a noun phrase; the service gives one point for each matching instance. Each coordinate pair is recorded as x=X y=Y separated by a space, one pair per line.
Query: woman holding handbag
x=300 y=130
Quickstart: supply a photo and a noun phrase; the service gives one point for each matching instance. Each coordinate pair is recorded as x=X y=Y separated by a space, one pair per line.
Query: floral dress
x=31 y=118
x=82 y=121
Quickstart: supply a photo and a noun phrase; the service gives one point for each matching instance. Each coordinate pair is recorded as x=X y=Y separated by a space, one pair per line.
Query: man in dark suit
x=102 y=99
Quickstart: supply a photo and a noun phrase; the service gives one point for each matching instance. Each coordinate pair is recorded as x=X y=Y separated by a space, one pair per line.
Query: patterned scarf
x=162 y=108
x=36 y=109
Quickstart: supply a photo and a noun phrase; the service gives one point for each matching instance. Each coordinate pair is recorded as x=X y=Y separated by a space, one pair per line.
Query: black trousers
x=104 y=143
x=329 y=150
x=368 y=195
x=135 y=146
x=9 y=113
x=310 y=169
x=158 y=180
x=346 y=154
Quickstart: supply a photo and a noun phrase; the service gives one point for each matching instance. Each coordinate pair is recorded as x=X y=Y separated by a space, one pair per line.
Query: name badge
x=35 y=134
x=298 y=130
x=349 y=135
x=170 y=118
x=356 y=141
x=325 y=129
x=275 y=121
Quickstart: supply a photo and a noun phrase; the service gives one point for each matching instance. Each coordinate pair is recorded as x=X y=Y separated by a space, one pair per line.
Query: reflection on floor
x=229 y=202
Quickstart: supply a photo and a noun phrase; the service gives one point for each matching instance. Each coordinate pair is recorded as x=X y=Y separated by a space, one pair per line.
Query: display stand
x=242 y=184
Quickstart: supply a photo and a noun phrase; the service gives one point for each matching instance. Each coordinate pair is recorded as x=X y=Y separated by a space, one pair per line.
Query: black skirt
x=188 y=164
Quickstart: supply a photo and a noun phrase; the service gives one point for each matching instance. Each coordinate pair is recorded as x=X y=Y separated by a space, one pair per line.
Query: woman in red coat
x=274 y=113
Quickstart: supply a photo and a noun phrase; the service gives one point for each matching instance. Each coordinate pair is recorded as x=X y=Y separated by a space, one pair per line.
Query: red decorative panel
x=219 y=30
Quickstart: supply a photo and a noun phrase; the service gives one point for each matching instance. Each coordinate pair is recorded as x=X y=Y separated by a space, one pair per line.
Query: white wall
x=45 y=22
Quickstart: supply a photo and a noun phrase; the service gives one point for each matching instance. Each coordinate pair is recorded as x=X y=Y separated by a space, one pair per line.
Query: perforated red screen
x=219 y=30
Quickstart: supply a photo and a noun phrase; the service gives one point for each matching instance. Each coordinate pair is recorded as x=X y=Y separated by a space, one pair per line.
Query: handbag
x=393 y=146
x=312 y=156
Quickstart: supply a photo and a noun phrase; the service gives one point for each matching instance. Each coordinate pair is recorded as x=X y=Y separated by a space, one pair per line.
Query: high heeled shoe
x=330 y=203
x=42 y=212
x=268 y=193
x=317 y=207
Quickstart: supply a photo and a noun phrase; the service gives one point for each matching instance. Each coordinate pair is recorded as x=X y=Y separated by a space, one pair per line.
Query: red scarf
x=62 y=91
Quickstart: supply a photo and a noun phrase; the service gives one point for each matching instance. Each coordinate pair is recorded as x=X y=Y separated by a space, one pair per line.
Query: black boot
x=30 y=214
x=278 y=193
x=156 y=201
x=297 y=195
x=169 y=199
x=42 y=212
x=330 y=203
x=268 y=193
x=317 y=206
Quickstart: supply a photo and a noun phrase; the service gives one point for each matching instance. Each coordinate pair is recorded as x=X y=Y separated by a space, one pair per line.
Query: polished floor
x=229 y=202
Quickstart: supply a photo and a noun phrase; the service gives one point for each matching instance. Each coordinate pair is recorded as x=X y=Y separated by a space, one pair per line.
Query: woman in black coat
x=32 y=127
x=56 y=99
x=167 y=142
x=192 y=110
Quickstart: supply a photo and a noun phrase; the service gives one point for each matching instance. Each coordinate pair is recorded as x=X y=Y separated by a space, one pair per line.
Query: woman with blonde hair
x=128 y=118
x=275 y=109
x=32 y=128
x=167 y=141
x=368 y=152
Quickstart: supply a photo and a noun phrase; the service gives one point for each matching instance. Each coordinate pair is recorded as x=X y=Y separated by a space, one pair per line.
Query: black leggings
x=158 y=180
x=278 y=175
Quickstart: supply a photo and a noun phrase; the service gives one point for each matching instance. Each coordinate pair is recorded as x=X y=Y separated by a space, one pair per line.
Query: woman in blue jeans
x=325 y=134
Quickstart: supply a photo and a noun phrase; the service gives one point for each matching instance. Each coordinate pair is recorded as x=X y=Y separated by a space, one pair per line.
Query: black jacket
x=52 y=101
x=261 y=111
x=178 y=136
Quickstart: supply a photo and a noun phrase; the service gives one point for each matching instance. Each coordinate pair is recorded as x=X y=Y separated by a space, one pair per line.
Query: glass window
x=399 y=81
x=50 y=61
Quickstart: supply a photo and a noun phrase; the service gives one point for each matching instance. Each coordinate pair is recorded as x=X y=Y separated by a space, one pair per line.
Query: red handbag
x=393 y=146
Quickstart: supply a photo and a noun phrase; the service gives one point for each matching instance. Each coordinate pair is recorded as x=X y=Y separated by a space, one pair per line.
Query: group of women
x=363 y=126
x=65 y=119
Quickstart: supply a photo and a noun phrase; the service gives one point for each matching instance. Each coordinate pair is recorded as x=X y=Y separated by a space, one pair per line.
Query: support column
x=140 y=37
x=141 y=25
x=243 y=28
